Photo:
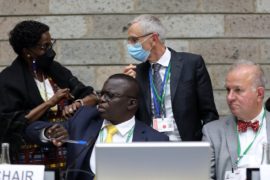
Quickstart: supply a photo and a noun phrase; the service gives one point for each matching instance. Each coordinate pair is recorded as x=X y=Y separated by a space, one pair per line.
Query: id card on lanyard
x=163 y=124
x=160 y=122
x=238 y=174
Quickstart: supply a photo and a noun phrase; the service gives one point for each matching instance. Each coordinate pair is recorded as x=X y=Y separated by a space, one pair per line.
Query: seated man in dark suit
x=112 y=121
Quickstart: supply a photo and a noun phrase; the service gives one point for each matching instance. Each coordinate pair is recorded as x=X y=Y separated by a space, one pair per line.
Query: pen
x=75 y=141
x=82 y=142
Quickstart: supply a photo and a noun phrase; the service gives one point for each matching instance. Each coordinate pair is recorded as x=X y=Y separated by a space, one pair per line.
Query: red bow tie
x=243 y=125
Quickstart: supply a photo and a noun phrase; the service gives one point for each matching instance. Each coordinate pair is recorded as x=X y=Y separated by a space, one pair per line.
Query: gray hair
x=149 y=24
x=259 y=77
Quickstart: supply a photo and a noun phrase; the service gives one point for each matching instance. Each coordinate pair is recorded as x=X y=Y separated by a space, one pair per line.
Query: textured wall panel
x=263 y=6
x=247 y=25
x=24 y=7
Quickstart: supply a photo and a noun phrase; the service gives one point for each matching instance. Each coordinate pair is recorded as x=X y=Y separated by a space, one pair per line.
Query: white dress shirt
x=164 y=61
x=254 y=155
x=123 y=135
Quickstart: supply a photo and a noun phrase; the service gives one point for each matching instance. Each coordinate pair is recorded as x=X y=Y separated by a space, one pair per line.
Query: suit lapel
x=90 y=136
x=144 y=80
x=139 y=132
x=176 y=68
x=30 y=84
x=232 y=139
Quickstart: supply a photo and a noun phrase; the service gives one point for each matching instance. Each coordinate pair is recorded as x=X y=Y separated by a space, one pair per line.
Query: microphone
x=90 y=143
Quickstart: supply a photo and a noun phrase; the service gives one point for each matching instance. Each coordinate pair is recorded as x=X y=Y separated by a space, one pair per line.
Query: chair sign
x=21 y=172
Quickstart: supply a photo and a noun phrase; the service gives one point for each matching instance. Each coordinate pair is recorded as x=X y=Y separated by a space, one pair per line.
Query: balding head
x=256 y=72
x=245 y=83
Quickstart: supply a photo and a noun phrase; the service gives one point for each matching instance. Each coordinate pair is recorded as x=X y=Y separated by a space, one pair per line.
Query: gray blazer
x=223 y=139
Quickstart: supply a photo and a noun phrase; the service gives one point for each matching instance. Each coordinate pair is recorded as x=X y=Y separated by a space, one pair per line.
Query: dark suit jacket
x=191 y=94
x=19 y=94
x=85 y=125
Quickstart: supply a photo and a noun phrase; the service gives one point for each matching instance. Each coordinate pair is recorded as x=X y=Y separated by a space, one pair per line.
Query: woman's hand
x=60 y=94
x=39 y=110
x=57 y=133
x=130 y=70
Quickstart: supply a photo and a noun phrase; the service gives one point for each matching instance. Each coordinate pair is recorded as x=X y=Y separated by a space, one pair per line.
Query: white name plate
x=21 y=172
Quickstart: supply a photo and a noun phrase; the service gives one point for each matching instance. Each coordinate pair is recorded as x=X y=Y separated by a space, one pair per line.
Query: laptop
x=153 y=161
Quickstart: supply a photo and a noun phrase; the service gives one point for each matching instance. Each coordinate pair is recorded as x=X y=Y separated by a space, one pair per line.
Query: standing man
x=177 y=96
x=112 y=122
x=236 y=141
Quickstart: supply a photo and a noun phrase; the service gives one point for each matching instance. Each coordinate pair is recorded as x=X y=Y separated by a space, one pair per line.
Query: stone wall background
x=91 y=38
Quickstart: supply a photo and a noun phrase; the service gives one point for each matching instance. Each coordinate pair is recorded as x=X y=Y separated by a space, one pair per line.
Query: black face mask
x=44 y=62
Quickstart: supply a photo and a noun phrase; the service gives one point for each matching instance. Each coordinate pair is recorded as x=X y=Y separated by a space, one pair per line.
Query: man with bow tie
x=236 y=140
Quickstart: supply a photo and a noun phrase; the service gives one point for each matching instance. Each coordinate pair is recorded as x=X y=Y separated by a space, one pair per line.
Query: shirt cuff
x=43 y=138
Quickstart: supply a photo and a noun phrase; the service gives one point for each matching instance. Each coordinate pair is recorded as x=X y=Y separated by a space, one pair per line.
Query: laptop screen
x=158 y=161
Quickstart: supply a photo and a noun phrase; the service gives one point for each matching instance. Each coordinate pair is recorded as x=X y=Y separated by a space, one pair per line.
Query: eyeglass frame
x=47 y=45
x=108 y=96
x=134 y=40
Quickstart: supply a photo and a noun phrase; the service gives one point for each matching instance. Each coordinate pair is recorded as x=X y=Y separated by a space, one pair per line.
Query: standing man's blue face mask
x=137 y=52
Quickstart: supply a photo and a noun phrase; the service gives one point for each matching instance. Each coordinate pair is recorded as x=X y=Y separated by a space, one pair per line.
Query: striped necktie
x=157 y=81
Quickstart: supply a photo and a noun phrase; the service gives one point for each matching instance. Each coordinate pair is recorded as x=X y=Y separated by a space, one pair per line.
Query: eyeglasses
x=108 y=96
x=46 y=46
x=134 y=39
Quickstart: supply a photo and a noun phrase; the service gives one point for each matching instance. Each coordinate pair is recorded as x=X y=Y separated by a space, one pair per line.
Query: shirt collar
x=124 y=127
x=259 y=117
x=164 y=59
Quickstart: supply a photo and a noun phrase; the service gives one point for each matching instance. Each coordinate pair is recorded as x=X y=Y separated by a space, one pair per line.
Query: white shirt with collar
x=254 y=155
x=164 y=61
x=122 y=135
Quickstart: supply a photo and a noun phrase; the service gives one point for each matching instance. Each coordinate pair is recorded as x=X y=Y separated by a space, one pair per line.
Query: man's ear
x=132 y=104
x=260 y=91
x=155 y=36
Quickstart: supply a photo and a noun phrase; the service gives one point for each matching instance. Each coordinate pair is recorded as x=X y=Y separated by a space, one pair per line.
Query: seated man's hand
x=57 y=134
x=130 y=70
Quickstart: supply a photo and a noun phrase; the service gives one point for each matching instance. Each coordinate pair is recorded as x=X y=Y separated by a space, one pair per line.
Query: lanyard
x=159 y=97
x=250 y=145
x=130 y=133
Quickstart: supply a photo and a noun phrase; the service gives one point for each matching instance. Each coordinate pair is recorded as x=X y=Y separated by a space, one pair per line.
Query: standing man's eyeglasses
x=134 y=39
